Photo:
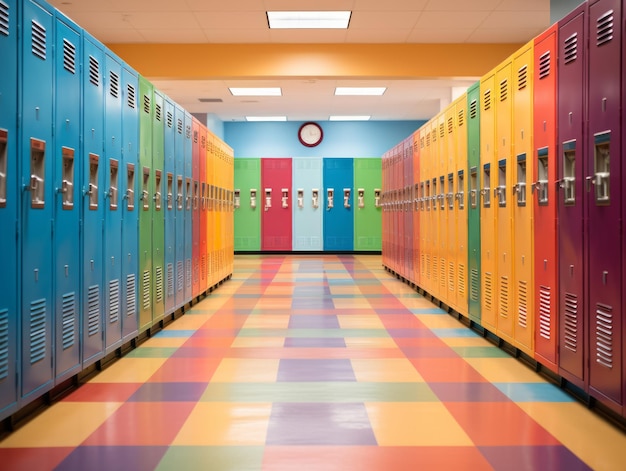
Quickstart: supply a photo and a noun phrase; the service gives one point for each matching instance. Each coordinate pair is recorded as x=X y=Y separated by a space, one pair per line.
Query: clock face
x=310 y=134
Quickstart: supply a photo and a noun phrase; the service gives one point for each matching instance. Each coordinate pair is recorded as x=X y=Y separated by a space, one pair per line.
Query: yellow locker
x=442 y=212
x=209 y=220
x=449 y=182
x=460 y=210
x=425 y=223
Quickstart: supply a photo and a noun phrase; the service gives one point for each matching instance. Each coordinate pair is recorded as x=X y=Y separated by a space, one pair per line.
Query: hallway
x=314 y=363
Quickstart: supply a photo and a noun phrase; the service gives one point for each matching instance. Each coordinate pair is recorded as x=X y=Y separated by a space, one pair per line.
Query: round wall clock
x=310 y=134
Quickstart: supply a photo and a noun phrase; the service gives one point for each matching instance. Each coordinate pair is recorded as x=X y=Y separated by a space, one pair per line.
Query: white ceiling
x=372 y=21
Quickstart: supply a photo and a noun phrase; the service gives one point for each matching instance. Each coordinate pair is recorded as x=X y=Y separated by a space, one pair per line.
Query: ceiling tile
x=179 y=36
x=146 y=5
x=490 y=35
x=517 y=20
x=451 y=20
x=232 y=20
x=308 y=36
x=238 y=36
x=307 y=5
x=383 y=19
x=440 y=35
x=112 y=36
x=528 y=5
x=153 y=20
x=228 y=5
x=464 y=5
x=378 y=36
x=390 y=5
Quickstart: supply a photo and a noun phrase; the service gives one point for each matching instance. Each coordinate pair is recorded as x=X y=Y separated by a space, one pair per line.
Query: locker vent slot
x=461 y=118
x=442 y=274
x=37 y=331
x=158 y=112
x=522 y=304
x=69 y=56
x=93 y=310
x=504 y=90
x=203 y=267
x=487 y=100
x=188 y=132
x=196 y=271
x=522 y=78
x=131 y=96
x=450 y=125
x=428 y=140
x=4 y=341
x=421 y=142
x=4 y=19
x=473 y=109
x=170 y=280
x=170 y=119
x=68 y=320
x=114 y=84
x=604 y=28
x=114 y=301
x=488 y=291
x=159 y=284
x=434 y=271
x=434 y=135
x=195 y=137
x=180 y=126
x=474 y=285
x=570 y=52
x=94 y=71
x=38 y=39
x=461 y=280
x=570 y=333
x=544 y=65
x=146 y=104
x=180 y=276
x=441 y=131
x=504 y=297
x=428 y=266
x=188 y=273
x=451 y=276
x=545 y=312
x=145 y=290
x=604 y=335
x=131 y=295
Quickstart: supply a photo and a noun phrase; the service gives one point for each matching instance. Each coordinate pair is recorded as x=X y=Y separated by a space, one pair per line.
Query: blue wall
x=341 y=138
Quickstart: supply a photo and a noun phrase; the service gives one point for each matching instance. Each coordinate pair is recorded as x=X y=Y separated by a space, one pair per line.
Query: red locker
x=407 y=234
x=276 y=218
x=195 y=218
x=416 y=207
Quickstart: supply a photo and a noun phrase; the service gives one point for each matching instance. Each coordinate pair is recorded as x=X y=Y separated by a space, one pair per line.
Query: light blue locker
x=9 y=275
x=170 y=206
x=130 y=203
x=308 y=204
x=188 y=206
x=113 y=173
x=36 y=156
x=66 y=198
x=338 y=215
x=93 y=183
x=179 y=204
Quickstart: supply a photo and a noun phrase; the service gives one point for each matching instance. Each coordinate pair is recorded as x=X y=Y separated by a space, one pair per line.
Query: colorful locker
x=145 y=177
x=195 y=210
x=112 y=250
x=179 y=205
x=158 y=215
x=66 y=198
x=247 y=214
x=425 y=248
x=308 y=204
x=367 y=218
x=276 y=218
x=407 y=185
x=203 y=252
x=439 y=165
x=604 y=199
x=570 y=209
x=130 y=177
x=188 y=174
x=522 y=167
x=460 y=203
x=451 y=212
x=170 y=202
x=210 y=225
x=338 y=217
x=416 y=207
x=488 y=215
x=9 y=207
x=473 y=203
x=544 y=172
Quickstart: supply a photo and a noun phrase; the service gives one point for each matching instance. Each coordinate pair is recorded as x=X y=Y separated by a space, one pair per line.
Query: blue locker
x=93 y=171
x=308 y=204
x=8 y=208
x=179 y=162
x=37 y=150
x=188 y=206
x=338 y=215
x=158 y=215
x=130 y=208
x=113 y=171
x=66 y=198
x=169 y=206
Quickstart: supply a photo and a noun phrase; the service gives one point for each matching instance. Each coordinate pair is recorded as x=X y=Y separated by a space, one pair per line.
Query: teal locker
x=307 y=204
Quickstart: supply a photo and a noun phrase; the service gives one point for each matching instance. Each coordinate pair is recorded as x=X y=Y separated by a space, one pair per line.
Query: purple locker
x=571 y=146
x=603 y=193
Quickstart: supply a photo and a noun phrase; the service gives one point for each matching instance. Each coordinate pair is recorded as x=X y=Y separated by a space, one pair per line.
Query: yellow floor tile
x=438 y=321
x=350 y=289
x=129 y=370
x=253 y=342
x=415 y=424
x=238 y=370
x=61 y=425
x=230 y=424
x=164 y=342
x=466 y=342
x=391 y=370
x=351 y=303
x=360 y=322
x=188 y=323
x=417 y=303
x=504 y=370
x=370 y=342
x=266 y=321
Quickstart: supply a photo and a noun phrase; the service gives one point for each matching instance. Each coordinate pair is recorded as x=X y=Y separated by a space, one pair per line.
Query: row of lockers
x=508 y=205
x=115 y=204
x=307 y=204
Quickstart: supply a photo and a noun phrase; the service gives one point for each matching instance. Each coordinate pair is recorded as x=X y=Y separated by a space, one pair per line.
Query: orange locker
x=425 y=218
x=440 y=239
x=449 y=208
x=202 y=250
x=416 y=206
x=459 y=170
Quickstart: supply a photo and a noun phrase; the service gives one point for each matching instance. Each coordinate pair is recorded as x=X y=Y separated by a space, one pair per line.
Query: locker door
x=204 y=194
x=158 y=214
x=367 y=219
x=522 y=205
x=276 y=218
x=188 y=182
x=425 y=223
x=212 y=207
x=195 y=210
x=460 y=204
x=307 y=204
x=488 y=216
x=146 y=204
x=179 y=204
x=114 y=171
x=416 y=207
x=247 y=199
x=442 y=209
x=435 y=219
x=169 y=206
x=66 y=199
x=407 y=185
x=9 y=207
x=473 y=202
x=338 y=219
x=604 y=197
x=544 y=171
x=130 y=181
x=450 y=211
x=571 y=114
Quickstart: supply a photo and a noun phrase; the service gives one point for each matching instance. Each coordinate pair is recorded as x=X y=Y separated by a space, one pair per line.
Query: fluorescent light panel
x=360 y=91
x=308 y=19
x=266 y=118
x=349 y=118
x=252 y=91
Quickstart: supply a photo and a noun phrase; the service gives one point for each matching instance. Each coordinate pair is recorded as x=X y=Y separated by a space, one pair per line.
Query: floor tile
x=212 y=458
x=315 y=370
x=108 y=457
x=529 y=458
x=249 y=370
x=385 y=370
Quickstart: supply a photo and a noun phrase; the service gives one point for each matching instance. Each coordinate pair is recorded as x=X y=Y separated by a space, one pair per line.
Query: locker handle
x=590 y=181
x=157 y=196
x=90 y=189
x=64 y=187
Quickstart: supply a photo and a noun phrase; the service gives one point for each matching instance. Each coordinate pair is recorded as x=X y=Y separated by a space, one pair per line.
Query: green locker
x=367 y=211
x=247 y=213
x=473 y=229
x=159 y=180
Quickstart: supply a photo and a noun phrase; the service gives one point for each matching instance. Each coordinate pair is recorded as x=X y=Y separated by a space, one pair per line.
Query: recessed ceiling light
x=308 y=19
x=266 y=118
x=373 y=91
x=256 y=91
x=349 y=118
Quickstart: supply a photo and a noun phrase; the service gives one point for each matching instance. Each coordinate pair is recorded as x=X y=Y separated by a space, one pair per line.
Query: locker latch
x=330 y=198
x=285 y=197
x=268 y=198
x=253 y=198
x=361 y=196
x=346 y=198
x=300 y=196
x=377 y=197
x=315 y=198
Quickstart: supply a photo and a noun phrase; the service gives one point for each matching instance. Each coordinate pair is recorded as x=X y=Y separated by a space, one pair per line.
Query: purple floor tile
x=310 y=303
x=468 y=392
x=169 y=392
x=530 y=458
x=106 y=458
x=309 y=321
x=315 y=342
x=294 y=370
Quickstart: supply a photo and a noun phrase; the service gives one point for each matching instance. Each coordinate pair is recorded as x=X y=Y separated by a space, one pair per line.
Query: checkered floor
x=315 y=363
